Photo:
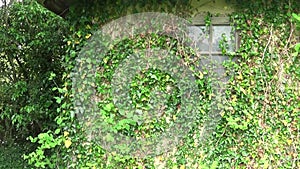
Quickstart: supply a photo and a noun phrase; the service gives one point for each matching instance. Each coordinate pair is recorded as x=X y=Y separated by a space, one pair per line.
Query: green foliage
x=259 y=126
x=40 y=158
x=31 y=47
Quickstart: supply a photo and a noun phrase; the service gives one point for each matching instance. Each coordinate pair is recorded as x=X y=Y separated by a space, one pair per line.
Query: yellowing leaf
x=105 y=60
x=88 y=27
x=234 y=99
x=157 y=159
x=266 y=164
x=144 y=99
x=66 y=133
x=284 y=122
x=159 y=163
x=289 y=141
x=69 y=43
x=182 y=167
x=201 y=75
x=222 y=113
x=240 y=77
x=243 y=90
x=68 y=143
x=174 y=117
x=88 y=36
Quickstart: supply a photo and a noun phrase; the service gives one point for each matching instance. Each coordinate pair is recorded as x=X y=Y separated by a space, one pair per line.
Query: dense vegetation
x=30 y=52
x=258 y=125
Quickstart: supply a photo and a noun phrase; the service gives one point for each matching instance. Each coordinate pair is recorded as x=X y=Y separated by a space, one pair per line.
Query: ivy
x=259 y=114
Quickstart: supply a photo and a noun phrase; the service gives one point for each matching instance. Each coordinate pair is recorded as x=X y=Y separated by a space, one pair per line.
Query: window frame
x=215 y=21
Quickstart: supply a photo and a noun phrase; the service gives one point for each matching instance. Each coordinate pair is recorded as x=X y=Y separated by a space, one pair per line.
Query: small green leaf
x=59 y=121
x=297 y=47
x=108 y=107
x=57 y=131
x=296 y=16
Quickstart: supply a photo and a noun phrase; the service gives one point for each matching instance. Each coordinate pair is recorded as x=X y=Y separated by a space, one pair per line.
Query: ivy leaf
x=57 y=131
x=296 y=16
x=68 y=143
x=297 y=47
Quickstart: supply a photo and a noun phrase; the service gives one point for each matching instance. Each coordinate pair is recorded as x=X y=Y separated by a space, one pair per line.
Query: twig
x=269 y=40
x=289 y=39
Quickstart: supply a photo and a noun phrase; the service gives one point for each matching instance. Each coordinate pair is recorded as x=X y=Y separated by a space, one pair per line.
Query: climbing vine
x=259 y=124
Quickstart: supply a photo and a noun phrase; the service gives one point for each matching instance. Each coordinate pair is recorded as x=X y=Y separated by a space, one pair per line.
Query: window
x=208 y=38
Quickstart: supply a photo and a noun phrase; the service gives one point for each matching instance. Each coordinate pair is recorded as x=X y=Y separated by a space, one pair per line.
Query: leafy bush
x=31 y=48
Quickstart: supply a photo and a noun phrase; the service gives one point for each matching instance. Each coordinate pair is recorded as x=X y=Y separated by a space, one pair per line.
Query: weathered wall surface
x=213 y=6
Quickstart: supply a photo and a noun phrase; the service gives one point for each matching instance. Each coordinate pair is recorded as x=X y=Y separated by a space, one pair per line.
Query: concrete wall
x=213 y=6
